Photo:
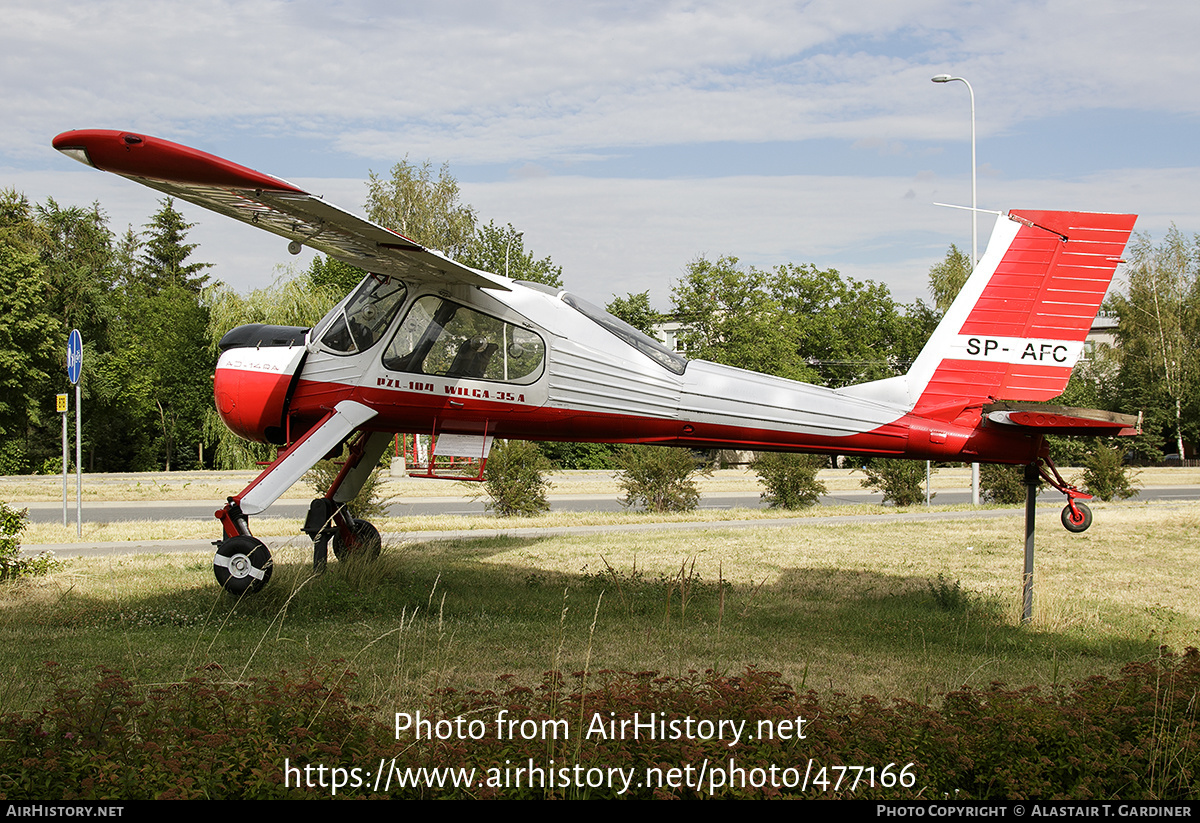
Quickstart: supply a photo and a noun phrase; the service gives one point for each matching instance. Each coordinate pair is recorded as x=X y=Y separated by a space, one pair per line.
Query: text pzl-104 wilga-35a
x=427 y=345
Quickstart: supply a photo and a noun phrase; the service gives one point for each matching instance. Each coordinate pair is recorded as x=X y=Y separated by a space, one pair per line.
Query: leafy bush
x=515 y=479
x=52 y=465
x=12 y=564
x=1003 y=484
x=659 y=478
x=368 y=503
x=579 y=455
x=791 y=479
x=901 y=481
x=1105 y=474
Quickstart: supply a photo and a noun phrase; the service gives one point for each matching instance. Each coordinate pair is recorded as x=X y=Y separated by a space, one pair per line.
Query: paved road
x=115 y=512
x=92 y=549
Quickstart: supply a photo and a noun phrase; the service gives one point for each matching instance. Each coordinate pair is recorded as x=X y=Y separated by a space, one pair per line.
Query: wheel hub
x=240 y=565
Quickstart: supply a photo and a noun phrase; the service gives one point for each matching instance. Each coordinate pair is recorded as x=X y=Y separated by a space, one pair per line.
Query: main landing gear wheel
x=366 y=544
x=1077 y=521
x=242 y=564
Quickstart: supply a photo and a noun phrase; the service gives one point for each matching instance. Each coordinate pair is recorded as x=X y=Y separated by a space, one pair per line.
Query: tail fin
x=1017 y=327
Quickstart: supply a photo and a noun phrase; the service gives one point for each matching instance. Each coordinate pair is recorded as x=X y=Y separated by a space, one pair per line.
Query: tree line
x=138 y=302
x=151 y=315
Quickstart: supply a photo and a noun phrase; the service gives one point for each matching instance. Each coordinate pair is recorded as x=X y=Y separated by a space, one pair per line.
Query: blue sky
x=626 y=139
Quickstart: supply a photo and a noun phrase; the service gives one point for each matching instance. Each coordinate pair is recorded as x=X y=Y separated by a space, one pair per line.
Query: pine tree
x=164 y=253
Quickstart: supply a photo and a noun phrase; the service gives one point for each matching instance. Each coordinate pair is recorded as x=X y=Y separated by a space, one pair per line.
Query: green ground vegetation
x=849 y=608
x=899 y=633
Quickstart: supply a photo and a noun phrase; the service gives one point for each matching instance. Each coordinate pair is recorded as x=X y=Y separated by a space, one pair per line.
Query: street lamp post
x=946 y=78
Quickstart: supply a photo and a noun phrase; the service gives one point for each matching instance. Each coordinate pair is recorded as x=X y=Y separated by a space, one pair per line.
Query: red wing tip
x=87 y=138
x=140 y=155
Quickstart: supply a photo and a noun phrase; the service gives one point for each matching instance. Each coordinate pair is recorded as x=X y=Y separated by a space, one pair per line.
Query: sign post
x=62 y=409
x=74 y=371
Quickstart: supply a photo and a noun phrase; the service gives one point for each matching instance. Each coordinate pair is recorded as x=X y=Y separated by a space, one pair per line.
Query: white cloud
x=522 y=81
x=538 y=85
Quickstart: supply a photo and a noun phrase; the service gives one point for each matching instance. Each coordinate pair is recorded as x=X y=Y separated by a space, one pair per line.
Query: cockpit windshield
x=647 y=345
x=358 y=324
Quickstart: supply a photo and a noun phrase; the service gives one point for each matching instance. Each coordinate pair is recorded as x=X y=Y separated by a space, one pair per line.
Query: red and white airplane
x=427 y=345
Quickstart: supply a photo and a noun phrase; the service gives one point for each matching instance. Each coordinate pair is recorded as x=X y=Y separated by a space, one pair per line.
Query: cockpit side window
x=362 y=320
x=446 y=339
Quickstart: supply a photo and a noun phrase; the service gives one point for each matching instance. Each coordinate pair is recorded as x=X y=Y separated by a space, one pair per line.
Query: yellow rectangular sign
x=62 y=403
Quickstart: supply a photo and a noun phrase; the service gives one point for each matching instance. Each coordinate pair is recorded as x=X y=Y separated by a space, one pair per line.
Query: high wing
x=266 y=202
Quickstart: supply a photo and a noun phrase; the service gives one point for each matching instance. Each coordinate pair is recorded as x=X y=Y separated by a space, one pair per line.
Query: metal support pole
x=65 y=464
x=78 y=462
x=1031 y=490
x=946 y=78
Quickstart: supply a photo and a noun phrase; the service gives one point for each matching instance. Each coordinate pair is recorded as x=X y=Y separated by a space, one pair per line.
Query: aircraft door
x=459 y=361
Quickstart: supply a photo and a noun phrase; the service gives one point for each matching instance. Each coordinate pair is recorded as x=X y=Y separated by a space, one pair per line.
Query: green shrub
x=12 y=564
x=368 y=503
x=947 y=596
x=1003 y=484
x=52 y=465
x=901 y=481
x=515 y=479
x=659 y=478
x=791 y=479
x=1105 y=474
x=12 y=457
x=579 y=455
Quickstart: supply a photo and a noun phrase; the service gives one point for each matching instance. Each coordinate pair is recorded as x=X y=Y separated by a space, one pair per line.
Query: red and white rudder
x=1018 y=326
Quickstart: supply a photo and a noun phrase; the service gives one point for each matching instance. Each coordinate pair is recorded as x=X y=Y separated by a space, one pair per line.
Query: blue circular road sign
x=74 y=355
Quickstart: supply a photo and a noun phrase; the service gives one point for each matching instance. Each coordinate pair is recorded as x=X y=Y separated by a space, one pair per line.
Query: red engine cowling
x=251 y=390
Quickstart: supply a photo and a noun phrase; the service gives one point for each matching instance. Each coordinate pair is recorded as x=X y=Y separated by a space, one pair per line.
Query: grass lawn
x=897 y=610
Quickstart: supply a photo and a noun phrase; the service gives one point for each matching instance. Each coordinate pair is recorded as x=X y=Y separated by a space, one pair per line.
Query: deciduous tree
x=635 y=309
x=1158 y=331
x=329 y=273
x=731 y=316
x=947 y=278
x=502 y=251
x=424 y=207
x=29 y=344
x=797 y=321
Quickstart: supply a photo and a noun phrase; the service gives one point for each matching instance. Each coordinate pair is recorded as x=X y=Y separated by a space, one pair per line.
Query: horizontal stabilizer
x=1062 y=419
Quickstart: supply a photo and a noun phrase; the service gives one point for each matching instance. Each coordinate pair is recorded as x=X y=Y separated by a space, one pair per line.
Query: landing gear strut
x=242 y=564
x=328 y=518
x=1076 y=516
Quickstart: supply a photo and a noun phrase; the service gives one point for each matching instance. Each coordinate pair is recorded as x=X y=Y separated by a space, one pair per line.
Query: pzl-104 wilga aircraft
x=427 y=345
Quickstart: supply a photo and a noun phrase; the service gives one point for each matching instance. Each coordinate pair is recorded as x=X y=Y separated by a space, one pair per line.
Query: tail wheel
x=242 y=564
x=1077 y=520
x=366 y=543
